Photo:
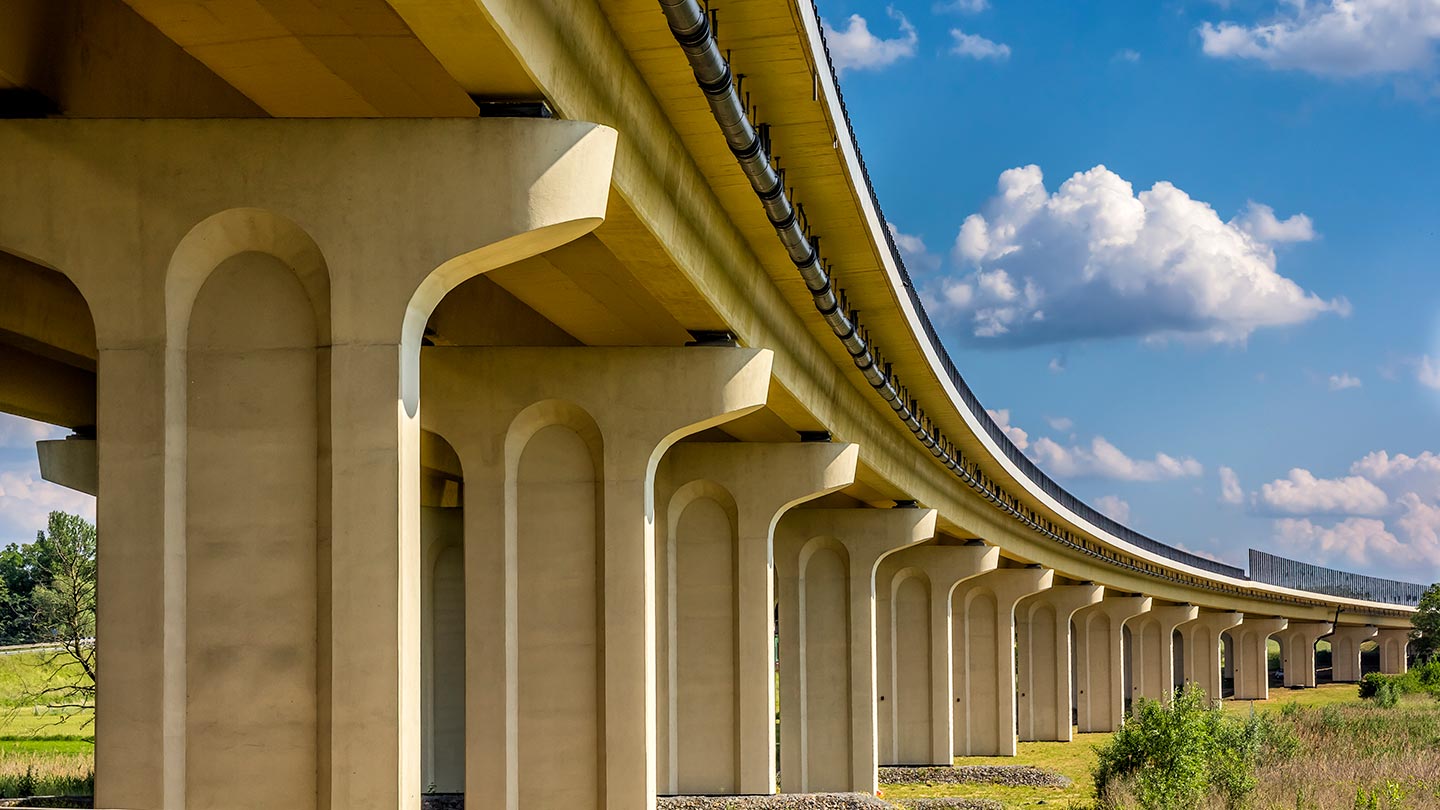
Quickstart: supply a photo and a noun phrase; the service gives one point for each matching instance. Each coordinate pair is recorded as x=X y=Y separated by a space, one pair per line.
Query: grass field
x=1076 y=759
x=42 y=751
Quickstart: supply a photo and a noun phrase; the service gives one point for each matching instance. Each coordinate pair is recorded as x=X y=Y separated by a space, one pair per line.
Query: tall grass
x=1358 y=757
x=29 y=774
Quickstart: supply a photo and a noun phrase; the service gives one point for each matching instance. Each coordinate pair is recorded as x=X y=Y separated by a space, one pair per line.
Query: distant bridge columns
x=1393 y=641
x=1250 y=645
x=1100 y=693
x=1200 y=640
x=983 y=646
x=1297 y=651
x=1044 y=659
x=559 y=448
x=716 y=506
x=826 y=560
x=912 y=642
x=1152 y=650
x=1345 y=644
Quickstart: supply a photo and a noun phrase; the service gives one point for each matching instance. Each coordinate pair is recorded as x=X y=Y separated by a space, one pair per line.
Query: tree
x=63 y=610
x=1425 y=638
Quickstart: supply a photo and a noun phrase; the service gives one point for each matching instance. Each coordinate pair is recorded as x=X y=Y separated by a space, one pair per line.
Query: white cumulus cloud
x=1230 y=490
x=1060 y=423
x=1114 y=506
x=1260 y=222
x=978 y=47
x=1094 y=259
x=1337 y=38
x=855 y=48
x=1401 y=473
x=1395 y=527
x=1101 y=459
x=1342 y=381
x=1002 y=418
x=1301 y=493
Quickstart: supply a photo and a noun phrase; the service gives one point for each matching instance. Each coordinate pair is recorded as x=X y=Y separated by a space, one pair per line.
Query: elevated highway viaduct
x=473 y=389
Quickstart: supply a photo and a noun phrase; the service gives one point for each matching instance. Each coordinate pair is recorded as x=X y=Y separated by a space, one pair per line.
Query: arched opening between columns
x=697 y=644
x=49 y=362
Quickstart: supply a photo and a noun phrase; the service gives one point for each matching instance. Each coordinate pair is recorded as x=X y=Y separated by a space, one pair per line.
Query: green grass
x=30 y=734
x=1076 y=759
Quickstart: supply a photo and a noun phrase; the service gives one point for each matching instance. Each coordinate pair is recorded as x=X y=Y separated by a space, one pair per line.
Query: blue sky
x=1246 y=354
x=1271 y=307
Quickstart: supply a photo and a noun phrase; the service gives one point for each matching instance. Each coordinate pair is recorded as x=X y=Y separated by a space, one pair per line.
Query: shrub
x=1384 y=690
x=1181 y=753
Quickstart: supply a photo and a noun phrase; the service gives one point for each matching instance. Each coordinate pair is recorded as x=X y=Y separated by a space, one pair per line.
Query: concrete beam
x=70 y=462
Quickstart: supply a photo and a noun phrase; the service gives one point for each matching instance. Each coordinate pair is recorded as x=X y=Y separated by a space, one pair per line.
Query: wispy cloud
x=978 y=47
x=1343 y=381
x=1336 y=38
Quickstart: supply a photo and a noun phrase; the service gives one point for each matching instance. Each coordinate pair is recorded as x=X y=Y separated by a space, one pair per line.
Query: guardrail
x=1287 y=573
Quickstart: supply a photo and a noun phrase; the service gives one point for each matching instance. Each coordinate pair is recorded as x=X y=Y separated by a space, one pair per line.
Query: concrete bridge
x=473 y=389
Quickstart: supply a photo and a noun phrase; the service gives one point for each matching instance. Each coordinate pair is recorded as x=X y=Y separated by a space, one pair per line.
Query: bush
x=1384 y=690
x=1181 y=753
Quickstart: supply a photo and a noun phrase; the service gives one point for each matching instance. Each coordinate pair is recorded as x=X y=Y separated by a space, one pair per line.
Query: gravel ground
x=1015 y=775
x=443 y=801
x=798 y=801
x=951 y=804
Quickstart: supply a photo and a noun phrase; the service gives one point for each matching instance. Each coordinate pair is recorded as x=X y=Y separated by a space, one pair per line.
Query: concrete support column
x=826 y=561
x=1100 y=661
x=1345 y=644
x=1393 y=641
x=559 y=448
x=1297 y=651
x=140 y=744
x=1042 y=643
x=912 y=641
x=1252 y=655
x=1152 y=650
x=718 y=505
x=983 y=645
x=1200 y=638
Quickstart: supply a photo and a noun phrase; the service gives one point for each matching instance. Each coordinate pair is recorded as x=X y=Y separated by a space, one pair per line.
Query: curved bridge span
x=526 y=398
